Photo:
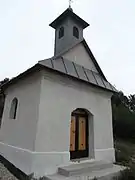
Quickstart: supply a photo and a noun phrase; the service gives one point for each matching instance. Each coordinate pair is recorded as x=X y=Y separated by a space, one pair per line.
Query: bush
x=128 y=174
x=123 y=123
x=31 y=177
x=123 y=153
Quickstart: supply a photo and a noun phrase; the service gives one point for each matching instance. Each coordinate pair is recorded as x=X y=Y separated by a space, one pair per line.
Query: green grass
x=125 y=152
x=125 y=155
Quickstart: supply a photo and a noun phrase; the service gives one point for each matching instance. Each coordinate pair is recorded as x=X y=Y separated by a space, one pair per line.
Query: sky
x=26 y=38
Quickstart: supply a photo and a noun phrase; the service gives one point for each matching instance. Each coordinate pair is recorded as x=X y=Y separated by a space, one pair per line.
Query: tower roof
x=68 y=13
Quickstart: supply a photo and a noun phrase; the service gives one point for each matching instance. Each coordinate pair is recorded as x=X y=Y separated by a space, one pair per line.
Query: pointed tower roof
x=61 y=64
x=68 y=13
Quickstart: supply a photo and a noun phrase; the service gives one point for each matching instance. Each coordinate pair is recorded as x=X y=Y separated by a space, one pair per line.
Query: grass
x=125 y=155
x=125 y=152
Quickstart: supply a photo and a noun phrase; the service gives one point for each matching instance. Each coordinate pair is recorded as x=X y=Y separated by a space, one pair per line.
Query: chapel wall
x=21 y=132
x=59 y=97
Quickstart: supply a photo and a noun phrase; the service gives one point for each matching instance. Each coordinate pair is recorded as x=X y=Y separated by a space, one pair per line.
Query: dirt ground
x=5 y=174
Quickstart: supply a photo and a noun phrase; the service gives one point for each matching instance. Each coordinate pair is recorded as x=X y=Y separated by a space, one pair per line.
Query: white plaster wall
x=21 y=158
x=79 y=55
x=21 y=132
x=59 y=97
x=49 y=100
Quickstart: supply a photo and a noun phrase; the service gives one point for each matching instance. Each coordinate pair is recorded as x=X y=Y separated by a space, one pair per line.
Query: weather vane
x=70 y=1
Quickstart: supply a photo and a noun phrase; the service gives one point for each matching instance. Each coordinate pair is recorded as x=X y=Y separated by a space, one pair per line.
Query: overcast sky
x=25 y=36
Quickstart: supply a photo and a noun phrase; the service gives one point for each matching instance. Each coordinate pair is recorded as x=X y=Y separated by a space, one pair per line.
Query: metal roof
x=68 y=13
x=72 y=69
x=90 y=54
x=68 y=68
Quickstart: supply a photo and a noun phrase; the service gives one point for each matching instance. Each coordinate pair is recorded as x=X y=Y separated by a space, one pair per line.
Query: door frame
x=78 y=154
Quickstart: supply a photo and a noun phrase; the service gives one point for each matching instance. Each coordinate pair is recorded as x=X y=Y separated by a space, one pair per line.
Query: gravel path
x=5 y=174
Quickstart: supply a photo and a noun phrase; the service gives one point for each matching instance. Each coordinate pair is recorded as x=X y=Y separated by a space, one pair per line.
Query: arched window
x=76 y=32
x=13 y=108
x=61 y=32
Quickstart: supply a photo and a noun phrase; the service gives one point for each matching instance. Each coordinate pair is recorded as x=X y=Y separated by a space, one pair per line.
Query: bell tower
x=68 y=30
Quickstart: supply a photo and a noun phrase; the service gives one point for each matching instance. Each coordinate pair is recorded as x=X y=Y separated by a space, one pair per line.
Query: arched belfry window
x=76 y=32
x=13 y=108
x=61 y=32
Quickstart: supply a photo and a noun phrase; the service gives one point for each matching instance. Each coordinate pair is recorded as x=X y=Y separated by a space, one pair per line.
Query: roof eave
x=20 y=76
x=38 y=66
x=75 y=78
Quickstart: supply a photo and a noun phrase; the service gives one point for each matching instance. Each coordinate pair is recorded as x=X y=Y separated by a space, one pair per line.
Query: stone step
x=75 y=169
x=103 y=174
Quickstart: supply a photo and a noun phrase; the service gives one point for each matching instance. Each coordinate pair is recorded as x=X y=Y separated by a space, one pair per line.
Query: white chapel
x=58 y=113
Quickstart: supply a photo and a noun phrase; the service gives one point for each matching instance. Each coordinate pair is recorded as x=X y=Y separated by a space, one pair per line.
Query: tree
x=123 y=111
x=132 y=102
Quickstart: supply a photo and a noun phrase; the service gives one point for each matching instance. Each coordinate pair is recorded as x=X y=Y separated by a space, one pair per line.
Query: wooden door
x=72 y=133
x=79 y=136
x=82 y=133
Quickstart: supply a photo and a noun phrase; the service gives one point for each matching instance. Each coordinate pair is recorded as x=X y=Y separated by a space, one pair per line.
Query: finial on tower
x=70 y=1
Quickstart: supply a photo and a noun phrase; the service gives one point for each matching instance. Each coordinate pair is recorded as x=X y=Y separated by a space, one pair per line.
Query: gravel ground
x=5 y=174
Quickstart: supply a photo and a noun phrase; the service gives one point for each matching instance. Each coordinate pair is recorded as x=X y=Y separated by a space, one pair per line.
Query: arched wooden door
x=79 y=133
